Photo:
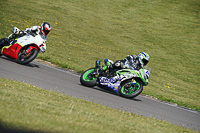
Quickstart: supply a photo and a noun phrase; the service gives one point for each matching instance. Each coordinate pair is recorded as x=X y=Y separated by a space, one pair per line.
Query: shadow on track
x=14 y=60
x=107 y=90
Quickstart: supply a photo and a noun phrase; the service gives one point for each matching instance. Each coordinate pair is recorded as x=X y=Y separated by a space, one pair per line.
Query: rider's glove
x=101 y=69
x=129 y=58
x=15 y=30
x=22 y=32
x=28 y=31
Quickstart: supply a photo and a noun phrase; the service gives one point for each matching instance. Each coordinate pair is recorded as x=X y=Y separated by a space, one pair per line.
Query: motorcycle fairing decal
x=127 y=74
x=32 y=47
x=12 y=50
x=112 y=83
x=143 y=77
x=28 y=39
x=123 y=71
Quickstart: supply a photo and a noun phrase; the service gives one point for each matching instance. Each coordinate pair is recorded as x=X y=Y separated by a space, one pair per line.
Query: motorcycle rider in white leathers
x=42 y=30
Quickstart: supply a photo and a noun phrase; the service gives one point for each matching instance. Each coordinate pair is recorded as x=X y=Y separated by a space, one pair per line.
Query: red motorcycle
x=24 y=48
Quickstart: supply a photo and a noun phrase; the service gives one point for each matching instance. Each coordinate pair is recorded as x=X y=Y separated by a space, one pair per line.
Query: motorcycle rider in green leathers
x=130 y=62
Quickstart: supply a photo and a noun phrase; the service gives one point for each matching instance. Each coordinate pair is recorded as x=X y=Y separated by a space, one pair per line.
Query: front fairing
x=29 y=39
x=145 y=73
x=121 y=75
x=143 y=76
x=128 y=74
x=43 y=47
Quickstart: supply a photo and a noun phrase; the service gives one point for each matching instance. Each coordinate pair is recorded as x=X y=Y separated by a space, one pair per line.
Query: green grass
x=83 y=31
x=28 y=108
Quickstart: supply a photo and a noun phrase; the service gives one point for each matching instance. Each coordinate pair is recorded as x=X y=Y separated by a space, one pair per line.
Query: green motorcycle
x=127 y=83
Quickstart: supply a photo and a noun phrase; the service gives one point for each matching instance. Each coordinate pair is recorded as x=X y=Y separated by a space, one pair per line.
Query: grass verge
x=26 y=108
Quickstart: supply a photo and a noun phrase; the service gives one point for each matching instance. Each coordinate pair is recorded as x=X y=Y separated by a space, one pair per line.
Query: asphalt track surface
x=67 y=82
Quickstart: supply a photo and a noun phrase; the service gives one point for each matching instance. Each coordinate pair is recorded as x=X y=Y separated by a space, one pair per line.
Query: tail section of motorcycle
x=12 y=51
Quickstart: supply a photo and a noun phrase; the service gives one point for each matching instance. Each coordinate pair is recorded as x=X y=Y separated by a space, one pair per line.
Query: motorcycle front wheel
x=130 y=90
x=87 y=79
x=25 y=58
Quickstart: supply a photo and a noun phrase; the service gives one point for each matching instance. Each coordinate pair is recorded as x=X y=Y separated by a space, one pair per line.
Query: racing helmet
x=45 y=28
x=144 y=57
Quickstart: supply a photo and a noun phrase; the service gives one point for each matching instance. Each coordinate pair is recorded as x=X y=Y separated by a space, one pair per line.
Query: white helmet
x=144 y=57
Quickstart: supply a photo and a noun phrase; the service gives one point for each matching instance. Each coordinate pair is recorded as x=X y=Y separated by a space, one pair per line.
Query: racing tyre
x=130 y=90
x=2 y=41
x=24 y=58
x=87 y=79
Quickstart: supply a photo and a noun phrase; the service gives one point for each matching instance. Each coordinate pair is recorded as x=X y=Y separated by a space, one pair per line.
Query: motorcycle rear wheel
x=128 y=91
x=26 y=58
x=87 y=80
x=2 y=42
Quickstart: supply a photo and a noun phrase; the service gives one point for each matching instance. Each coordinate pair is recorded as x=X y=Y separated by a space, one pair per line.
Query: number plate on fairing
x=112 y=83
